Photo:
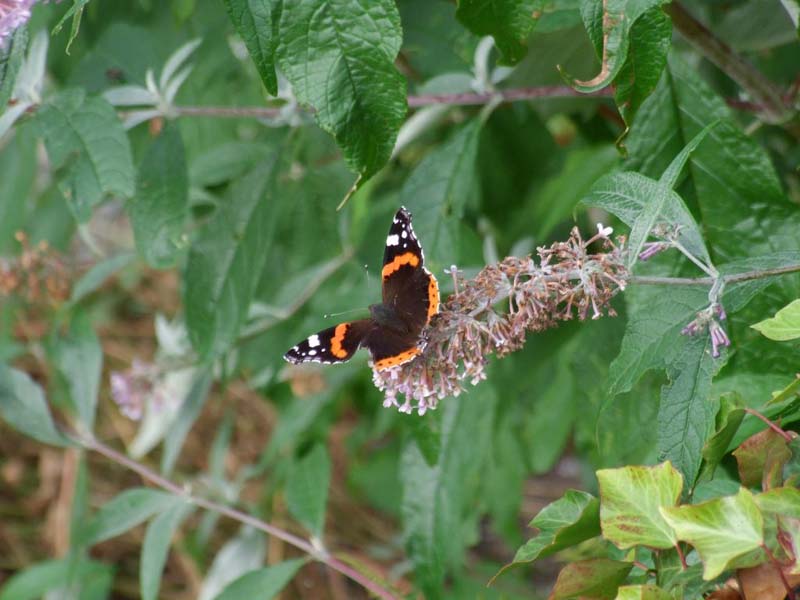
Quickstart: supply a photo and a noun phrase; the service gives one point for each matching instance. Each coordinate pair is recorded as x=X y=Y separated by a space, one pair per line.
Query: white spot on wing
x=392 y=240
x=404 y=234
x=312 y=352
x=313 y=341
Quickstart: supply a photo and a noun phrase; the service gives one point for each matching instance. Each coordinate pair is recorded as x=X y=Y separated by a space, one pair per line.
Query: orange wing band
x=409 y=258
x=393 y=361
x=336 y=341
x=433 y=297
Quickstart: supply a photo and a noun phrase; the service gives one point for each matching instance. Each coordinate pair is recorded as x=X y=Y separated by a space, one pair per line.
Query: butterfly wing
x=333 y=345
x=407 y=286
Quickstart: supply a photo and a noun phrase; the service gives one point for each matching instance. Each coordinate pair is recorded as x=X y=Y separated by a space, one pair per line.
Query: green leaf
x=593 y=578
x=782 y=501
x=630 y=499
x=571 y=519
x=264 y=583
x=609 y=23
x=18 y=175
x=79 y=576
x=11 y=58
x=187 y=415
x=86 y=141
x=97 y=275
x=686 y=414
x=23 y=407
x=649 y=43
x=78 y=358
x=226 y=260
x=160 y=207
x=509 y=22
x=729 y=417
x=155 y=547
x=761 y=458
x=339 y=57
x=128 y=509
x=785 y=325
x=438 y=500
x=438 y=189
x=256 y=22
x=307 y=489
x=642 y=592
x=238 y=556
x=640 y=201
x=720 y=530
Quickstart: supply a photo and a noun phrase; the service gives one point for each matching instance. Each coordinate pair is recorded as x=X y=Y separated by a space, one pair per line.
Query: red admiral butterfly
x=392 y=334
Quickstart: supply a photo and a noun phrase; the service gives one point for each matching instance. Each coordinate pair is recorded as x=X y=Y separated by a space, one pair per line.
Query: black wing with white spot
x=333 y=345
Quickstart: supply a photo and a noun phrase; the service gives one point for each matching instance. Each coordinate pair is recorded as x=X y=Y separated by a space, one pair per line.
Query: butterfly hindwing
x=333 y=345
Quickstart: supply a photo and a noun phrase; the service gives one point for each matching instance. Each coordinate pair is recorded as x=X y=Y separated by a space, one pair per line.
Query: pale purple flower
x=651 y=249
x=128 y=399
x=13 y=14
x=707 y=320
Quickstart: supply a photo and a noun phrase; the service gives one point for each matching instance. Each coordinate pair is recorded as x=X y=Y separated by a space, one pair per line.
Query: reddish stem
x=784 y=434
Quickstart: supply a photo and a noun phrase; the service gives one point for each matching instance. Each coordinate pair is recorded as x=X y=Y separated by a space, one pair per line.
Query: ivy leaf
x=785 y=325
x=160 y=207
x=124 y=511
x=86 y=141
x=781 y=501
x=642 y=592
x=593 y=578
x=609 y=23
x=262 y=583
x=256 y=22
x=437 y=499
x=571 y=519
x=509 y=22
x=155 y=547
x=721 y=530
x=438 y=189
x=630 y=498
x=339 y=57
x=23 y=407
x=226 y=260
x=307 y=489
x=761 y=458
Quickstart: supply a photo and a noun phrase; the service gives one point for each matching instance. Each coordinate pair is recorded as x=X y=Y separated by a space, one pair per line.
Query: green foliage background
x=240 y=211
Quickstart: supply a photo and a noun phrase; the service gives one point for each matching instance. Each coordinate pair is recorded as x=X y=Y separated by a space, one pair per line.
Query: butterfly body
x=393 y=332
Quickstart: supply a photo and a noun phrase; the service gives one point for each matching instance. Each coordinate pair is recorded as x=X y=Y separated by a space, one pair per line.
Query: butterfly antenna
x=344 y=312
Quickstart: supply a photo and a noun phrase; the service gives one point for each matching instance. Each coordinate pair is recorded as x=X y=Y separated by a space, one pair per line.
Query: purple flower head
x=651 y=249
x=13 y=14
x=707 y=320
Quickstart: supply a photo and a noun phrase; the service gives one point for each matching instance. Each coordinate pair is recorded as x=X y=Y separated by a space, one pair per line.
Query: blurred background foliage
x=239 y=425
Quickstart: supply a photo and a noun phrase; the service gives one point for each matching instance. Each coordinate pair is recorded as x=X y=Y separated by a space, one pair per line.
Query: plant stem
x=784 y=434
x=764 y=92
x=735 y=278
x=790 y=595
x=91 y=443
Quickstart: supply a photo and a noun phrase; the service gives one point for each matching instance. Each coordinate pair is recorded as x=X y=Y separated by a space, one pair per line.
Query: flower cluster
x=35 y=273
x=134 y=388
x=567 y=282
x=708 y=319
x=13 y=13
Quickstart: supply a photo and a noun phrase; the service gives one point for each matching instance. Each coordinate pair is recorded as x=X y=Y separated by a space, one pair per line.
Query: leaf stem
x=91 y=443
x=773 y=426
x=735 y=278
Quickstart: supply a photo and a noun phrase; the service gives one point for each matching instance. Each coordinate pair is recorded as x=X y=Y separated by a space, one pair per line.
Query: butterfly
x=393 y=331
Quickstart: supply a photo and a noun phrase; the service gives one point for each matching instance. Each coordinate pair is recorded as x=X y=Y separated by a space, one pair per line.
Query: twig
x=148 y=474
x=765 y=94
x=735 y=278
